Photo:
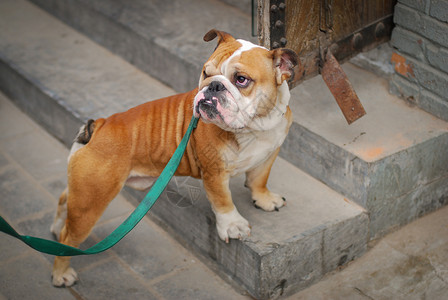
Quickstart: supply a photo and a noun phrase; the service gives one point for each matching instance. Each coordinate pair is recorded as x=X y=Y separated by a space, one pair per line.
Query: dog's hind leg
x=90 y=190
x=82 y=138
x=62 y=273
x=61 y=215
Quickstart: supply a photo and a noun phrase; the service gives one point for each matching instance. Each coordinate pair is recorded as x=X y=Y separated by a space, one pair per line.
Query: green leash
x=55 y=248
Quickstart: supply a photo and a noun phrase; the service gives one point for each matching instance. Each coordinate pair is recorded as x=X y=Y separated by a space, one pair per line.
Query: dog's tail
x=83 y=137
x=85 y=132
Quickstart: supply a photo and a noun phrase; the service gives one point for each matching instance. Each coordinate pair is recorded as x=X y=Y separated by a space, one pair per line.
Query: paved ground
x=411 y=263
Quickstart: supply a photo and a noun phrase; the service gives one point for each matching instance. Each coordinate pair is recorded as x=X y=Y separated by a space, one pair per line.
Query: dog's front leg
x=256 y=180
x=229 y=223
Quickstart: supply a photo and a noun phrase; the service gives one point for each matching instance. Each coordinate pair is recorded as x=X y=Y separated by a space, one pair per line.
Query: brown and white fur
x=242 y=96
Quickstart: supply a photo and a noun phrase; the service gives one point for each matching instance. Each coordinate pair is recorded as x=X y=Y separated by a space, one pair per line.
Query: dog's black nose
x=216 y=86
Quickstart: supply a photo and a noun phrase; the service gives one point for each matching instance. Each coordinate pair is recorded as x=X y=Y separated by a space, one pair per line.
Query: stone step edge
x=31 y=96
x=321 y=250
x=182 y=75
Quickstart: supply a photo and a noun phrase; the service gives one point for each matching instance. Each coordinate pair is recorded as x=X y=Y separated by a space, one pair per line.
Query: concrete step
x=61 y=78
x=244 y=5
x=57 y=74
x=318 y=231
x=393 y=161
x=162 y=38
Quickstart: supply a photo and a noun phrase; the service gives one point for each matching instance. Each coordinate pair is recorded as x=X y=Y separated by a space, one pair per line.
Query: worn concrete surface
x=146 y=264
x=392 y=161
x=316 y=232
x=376 y=60
x=55 y=66
x=411 y=263
x=172 y=31
x=389 y=127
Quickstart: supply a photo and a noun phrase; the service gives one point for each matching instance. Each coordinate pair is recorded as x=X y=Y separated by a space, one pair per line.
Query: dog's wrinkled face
x=240 y=82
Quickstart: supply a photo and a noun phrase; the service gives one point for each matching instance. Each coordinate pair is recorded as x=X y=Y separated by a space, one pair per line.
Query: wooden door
x=311 y=27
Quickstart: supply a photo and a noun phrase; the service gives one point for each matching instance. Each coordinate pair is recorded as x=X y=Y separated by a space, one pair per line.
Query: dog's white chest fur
x=255 y=147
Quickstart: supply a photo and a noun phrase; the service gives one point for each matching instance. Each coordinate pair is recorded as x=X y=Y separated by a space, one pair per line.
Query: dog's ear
x=222 y=36
x=285 y=60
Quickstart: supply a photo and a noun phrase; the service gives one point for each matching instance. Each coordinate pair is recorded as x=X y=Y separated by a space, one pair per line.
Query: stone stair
x=162 y=38
x=382 y=171
x=393 y=162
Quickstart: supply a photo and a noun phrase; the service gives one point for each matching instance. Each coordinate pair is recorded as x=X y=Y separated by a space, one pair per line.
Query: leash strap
x=55 y=248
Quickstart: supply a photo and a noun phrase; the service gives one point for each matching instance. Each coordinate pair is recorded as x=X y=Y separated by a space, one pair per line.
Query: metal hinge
x=277 y=12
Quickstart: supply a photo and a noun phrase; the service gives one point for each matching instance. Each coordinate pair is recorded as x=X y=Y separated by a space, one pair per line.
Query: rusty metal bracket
x=363 y=39
x=341 y=88
x=277 y=21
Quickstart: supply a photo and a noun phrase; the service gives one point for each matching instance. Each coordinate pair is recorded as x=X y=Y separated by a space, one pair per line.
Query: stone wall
x=420 y=41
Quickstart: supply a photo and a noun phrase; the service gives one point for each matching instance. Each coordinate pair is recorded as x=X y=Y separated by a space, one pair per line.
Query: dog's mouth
x=218 y=106
x=209 y=108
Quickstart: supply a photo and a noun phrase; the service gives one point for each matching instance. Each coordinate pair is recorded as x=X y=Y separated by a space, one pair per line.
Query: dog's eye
x=242 y=81
x=204 y=74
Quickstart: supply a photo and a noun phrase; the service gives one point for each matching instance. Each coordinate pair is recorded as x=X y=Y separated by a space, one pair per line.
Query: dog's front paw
x=66 y=278
x=232 y=225
x=268 y=201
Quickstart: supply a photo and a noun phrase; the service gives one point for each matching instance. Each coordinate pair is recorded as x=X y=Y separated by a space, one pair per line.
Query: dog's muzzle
x=209 y=106
x=213 y=99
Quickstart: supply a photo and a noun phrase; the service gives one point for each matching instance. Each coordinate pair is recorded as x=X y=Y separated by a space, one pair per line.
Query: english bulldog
x=242 y=102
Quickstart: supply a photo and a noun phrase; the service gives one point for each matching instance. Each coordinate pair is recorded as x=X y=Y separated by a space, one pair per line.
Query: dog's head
x=241 y=82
